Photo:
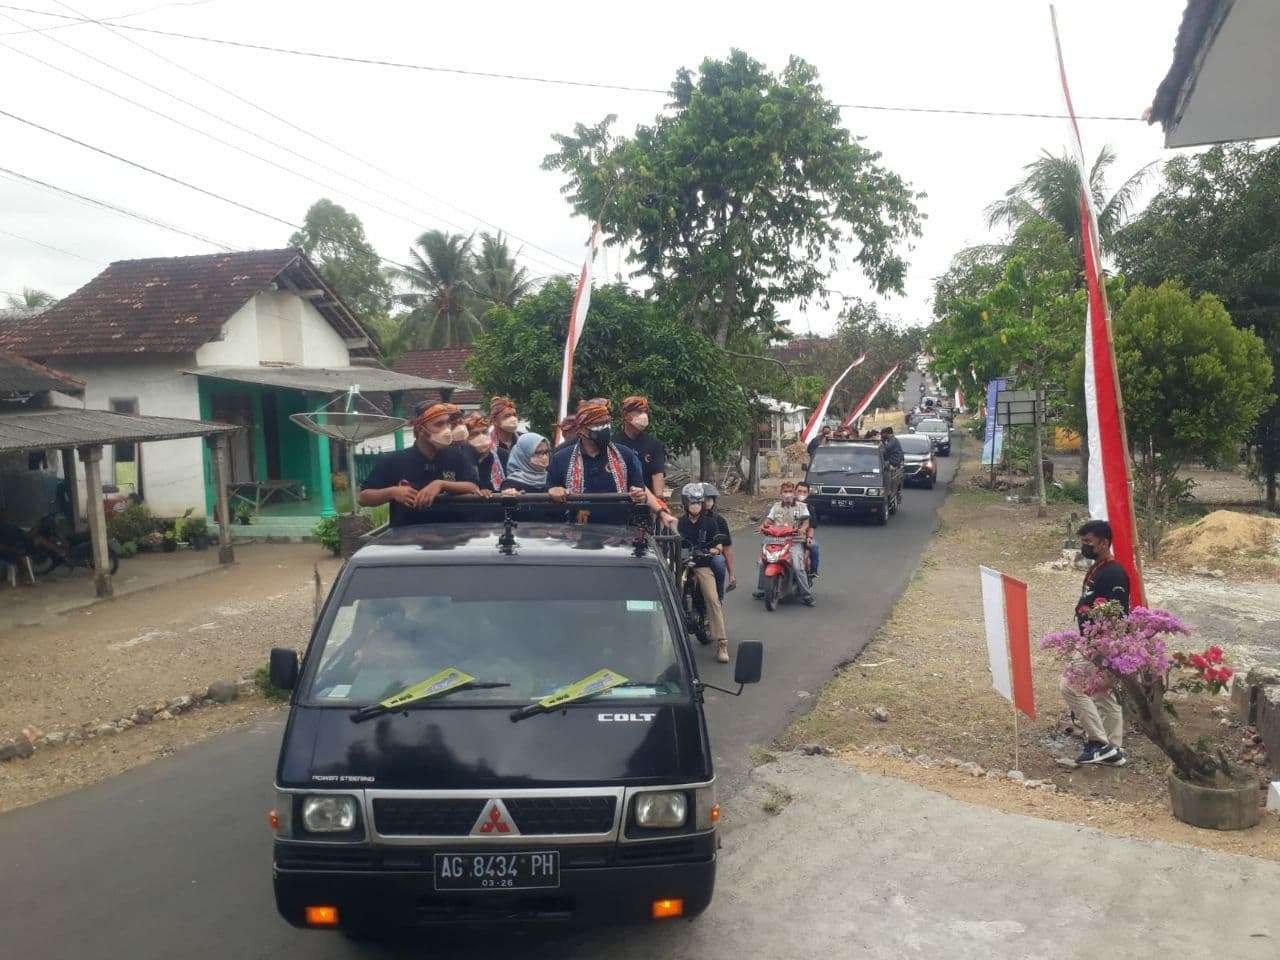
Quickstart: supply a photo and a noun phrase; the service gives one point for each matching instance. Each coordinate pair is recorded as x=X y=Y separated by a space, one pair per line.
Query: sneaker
x=810 y=602
x=722 y=651
x=815 y=575
x=1095 y=751
x=1117 y=759
x=758 y=594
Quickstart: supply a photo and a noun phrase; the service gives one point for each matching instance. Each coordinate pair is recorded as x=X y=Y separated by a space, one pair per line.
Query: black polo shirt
x=726 y=538
x=411 y=466
x=1106 y=581
x=651 y=451
x=484 y=467
x=702 y=533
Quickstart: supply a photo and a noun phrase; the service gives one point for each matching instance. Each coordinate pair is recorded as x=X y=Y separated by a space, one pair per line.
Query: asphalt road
x=174 y=858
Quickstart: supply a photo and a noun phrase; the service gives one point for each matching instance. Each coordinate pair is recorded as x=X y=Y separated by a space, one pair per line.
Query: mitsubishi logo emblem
x=495 y=821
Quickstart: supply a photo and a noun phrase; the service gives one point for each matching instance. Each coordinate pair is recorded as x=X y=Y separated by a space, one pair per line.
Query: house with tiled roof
x=247 y=338
x=447 y=364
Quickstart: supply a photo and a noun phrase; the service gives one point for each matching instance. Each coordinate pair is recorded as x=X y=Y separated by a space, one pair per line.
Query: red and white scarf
x=614 y=463
x=496 y=473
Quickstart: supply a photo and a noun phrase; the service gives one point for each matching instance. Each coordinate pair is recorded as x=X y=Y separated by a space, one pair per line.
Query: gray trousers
x=797 y=569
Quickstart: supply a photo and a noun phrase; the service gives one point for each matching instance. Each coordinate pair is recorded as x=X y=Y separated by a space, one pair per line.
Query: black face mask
x=601 y=437
x=1088 y=551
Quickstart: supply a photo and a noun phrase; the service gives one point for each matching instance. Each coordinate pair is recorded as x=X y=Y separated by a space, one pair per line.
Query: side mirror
x=911 y=429
x=284 y=668
x=750 y=662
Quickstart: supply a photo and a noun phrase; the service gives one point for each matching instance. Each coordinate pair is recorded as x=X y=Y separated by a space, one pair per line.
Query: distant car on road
x=918 y=466
x=939 y=433
x=853 y=479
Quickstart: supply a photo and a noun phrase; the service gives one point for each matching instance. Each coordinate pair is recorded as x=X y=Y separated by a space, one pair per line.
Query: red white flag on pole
x=1110 y=495
x=1004 y=611
x=861 y=408
x=577 y=320
x=814 y=426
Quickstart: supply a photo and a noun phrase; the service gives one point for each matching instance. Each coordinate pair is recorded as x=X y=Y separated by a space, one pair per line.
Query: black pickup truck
x=498 y=723
x=853 y=479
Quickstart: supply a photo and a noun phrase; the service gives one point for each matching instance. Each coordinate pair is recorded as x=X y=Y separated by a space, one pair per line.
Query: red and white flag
x=1004 y=611
x=1110 y=494
x=861 y=408
x=814 y=426
x=577 y=320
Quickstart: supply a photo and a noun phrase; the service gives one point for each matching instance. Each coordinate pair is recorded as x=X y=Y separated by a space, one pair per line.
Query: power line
x=47 y=246
x=565 y=82
x=219 y=118
x=113 y=17
x=328 y=145
x=123 y=211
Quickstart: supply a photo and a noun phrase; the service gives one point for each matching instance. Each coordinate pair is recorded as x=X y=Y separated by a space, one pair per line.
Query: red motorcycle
x=775 y=557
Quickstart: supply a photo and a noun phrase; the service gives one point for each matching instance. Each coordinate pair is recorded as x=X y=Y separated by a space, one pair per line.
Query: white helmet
x=691 y=493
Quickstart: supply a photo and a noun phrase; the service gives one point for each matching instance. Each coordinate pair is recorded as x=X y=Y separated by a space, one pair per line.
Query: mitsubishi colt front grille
x=455 y=817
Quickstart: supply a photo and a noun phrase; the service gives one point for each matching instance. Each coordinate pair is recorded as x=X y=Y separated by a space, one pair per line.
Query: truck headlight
x=329 y=814
x=661 y=810
x=873 y=491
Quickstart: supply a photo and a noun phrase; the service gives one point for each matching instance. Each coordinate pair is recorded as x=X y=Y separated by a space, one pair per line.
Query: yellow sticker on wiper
x=598 y=682
x=442 y=682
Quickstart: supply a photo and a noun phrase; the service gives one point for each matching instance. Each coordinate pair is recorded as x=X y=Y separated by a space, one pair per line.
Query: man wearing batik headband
x=480 y=442
x=506 y=424
x=411 y=480
x=568 y=431
x=651 y=451
x=594 y=464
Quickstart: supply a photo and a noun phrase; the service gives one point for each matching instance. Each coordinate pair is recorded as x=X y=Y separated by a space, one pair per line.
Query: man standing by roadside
x=1106 y=582
x=411 y=480
x=651 y=451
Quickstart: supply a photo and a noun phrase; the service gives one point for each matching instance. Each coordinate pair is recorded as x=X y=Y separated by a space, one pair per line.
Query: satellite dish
x=350 y=418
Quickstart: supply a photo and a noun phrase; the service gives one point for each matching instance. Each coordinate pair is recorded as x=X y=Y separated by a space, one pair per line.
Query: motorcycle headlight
x=322 y=814
x=661 y=810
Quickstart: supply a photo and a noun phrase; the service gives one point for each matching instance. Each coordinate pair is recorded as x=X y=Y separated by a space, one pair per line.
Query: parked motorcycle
x=51 y=547
x=775 y=556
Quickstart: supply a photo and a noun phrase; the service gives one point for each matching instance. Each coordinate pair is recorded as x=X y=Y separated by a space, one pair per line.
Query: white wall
x=172 y=470
x=239 y=345
x=276 y=327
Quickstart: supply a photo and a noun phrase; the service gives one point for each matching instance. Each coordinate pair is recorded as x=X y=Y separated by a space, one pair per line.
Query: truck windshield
x=845 y=460
x=932 y=426
x=537 y=628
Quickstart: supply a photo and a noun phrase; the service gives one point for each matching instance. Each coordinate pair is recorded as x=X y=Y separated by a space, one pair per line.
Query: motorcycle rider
x=789 y=512
x=815 y=555
x=723 y=563
x=702 y=531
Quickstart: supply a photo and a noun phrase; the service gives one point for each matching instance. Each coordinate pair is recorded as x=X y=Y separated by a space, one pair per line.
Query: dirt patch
x=927 y=670
x=56 y=770
x=1226 y=540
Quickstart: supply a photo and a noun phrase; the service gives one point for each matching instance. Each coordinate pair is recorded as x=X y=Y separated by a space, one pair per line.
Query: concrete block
x=1268 y=722
x=1245 y=695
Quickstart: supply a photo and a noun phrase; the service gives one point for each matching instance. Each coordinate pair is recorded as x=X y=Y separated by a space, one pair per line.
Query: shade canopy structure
x=326 y=380
x=53 y=428
x=1222 y=81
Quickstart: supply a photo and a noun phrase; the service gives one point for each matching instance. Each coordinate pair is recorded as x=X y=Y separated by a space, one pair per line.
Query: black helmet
x=710 y=492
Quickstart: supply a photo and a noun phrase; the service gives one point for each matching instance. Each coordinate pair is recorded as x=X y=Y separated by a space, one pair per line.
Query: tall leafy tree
x=335 y=241
x=742 y=195
x=31 y=299
x=499 y=280
x=630 y=345
x=1215 y=225
x=439 y=291
x=1050 y=191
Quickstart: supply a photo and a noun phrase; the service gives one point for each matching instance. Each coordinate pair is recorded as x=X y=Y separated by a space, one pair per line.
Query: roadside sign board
x=1019 y=407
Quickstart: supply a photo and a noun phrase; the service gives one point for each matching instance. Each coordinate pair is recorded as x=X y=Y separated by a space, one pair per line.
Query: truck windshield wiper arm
x=378 y=709
x=533 y=709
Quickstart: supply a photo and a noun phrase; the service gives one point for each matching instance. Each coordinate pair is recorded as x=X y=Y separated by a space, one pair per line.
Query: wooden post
x=73 y=486
x=218 y=443
x=1037 y=417
x=91 y=457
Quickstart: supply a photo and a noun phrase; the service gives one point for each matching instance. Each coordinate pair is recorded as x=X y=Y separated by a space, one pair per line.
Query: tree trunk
x=1043 y=509
x=753 y=468
x=1153 y=720
x=706 y=467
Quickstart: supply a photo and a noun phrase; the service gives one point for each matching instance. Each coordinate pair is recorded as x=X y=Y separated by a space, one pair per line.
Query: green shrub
x=189 y=527
x=380 y=515
x=326 y=532
x=262 y=677
x=128 y=548
x=1072 y=491
x=132 y=523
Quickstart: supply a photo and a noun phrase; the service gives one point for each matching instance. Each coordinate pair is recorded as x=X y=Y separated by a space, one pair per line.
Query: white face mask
x=480 y=443
x=509 y=424
x=640 y=421
x=441 y=436
x=460 y=432
x=802 y=497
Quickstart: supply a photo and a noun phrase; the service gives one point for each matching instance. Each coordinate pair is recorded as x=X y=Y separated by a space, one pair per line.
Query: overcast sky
x=477 y=143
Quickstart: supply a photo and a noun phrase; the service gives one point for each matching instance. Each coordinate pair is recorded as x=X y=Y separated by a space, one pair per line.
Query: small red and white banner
x=861 y=408
x=577 y=320
x=814 y=426
x=1110 y=494
x=1004 y=611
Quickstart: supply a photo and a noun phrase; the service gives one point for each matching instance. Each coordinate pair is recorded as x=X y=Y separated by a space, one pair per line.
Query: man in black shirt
x=892 y=447
x=411 y=480
x=702 y=532
x=594 y=463
x=1106 y=582
x=506 y=427
x=651 y=451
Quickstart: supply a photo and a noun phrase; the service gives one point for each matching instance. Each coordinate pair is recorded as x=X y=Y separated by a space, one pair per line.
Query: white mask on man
x=640 y=421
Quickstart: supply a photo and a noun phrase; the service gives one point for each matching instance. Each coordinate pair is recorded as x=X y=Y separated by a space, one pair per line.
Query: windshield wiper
x=587 y=688
x=438 y=685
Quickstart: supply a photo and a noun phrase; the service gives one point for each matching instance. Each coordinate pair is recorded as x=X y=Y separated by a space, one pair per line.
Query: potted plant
x=195 y=530
x=244 y=514
x=170 y=542
x=151 y=542
x=1130 y=655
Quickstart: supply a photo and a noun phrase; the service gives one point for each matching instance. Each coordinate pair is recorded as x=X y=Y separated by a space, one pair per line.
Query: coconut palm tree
x=31 y=299
x=1051 y=191
x=440 y=294
x=499 y=281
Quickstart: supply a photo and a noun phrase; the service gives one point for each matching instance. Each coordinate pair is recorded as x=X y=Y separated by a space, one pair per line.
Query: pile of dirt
x=1225 y=540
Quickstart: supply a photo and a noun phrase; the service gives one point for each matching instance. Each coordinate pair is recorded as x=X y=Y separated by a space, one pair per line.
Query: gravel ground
x=102 y=661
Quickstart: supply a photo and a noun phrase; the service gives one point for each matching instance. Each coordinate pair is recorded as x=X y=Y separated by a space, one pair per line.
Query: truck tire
x=881 y=515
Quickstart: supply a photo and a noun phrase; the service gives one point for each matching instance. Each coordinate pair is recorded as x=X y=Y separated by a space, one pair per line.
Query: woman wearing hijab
x=527 y=466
